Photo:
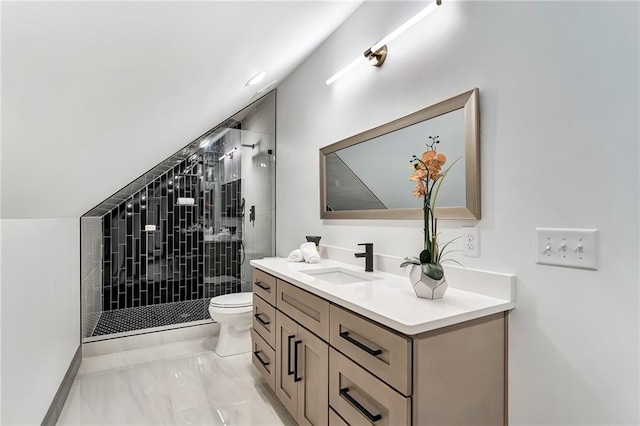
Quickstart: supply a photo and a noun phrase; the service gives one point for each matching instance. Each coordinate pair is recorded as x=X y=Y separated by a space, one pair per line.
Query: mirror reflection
x=367 y=175
x=375 y=174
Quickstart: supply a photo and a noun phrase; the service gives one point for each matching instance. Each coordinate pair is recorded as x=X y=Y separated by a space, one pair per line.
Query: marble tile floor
x=183 y=383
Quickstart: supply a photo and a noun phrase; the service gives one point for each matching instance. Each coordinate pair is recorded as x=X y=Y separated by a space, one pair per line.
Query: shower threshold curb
x=145 y=331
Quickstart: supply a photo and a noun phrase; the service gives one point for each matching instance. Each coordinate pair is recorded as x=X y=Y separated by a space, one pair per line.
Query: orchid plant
x=428 y=175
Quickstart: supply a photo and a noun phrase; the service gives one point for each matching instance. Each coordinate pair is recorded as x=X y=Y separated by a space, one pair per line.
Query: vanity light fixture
x=256 y=78
x=377 y=53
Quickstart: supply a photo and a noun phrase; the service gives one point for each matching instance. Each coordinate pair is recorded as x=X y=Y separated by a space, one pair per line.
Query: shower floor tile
x=180 y=383
x=131 y=319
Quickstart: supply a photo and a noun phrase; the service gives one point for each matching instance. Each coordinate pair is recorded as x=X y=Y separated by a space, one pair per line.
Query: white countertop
x=389 y=300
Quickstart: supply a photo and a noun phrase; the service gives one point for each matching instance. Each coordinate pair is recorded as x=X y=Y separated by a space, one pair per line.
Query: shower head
x=252 y=146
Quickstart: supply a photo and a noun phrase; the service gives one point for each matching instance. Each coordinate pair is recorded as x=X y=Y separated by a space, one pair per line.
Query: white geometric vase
x=426 y=287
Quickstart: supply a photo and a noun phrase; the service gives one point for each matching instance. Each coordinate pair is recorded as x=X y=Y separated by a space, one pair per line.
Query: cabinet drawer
x=307 y=309
x=264 y=358
x=264 y=285
x=336 y=420
x=384 y=353
x=264 y=320
x=360 y=398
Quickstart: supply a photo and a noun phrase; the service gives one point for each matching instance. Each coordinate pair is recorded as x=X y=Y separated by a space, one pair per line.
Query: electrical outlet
x=574 y=248
x=471 y=241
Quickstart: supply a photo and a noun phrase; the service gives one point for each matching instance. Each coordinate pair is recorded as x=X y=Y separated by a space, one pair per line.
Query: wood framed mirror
x=366 y=176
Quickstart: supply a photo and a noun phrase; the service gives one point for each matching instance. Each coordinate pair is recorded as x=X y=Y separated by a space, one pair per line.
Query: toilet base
x=233 y=340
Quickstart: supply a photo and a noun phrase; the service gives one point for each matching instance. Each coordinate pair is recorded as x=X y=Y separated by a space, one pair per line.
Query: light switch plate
x=573 y=248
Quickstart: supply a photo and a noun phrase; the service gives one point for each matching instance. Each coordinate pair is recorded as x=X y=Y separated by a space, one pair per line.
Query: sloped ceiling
x=96 y=93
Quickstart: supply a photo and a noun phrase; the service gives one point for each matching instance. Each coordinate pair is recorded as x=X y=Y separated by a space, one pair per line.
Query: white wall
x=559 y=97
x=40 y=313
x=86 y=82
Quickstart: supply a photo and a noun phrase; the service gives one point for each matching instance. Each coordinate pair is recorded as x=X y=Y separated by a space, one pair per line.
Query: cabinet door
x=264 y=320
x=383 y=352
x=264 y=285
x=286 y=387
x=313 y=371
x=263 y=358
x=362 y=399
x=307 y=309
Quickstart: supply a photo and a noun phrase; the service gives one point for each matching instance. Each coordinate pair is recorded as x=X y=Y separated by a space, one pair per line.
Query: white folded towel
x=186 y=201
x=310 y=253
x=296 y=256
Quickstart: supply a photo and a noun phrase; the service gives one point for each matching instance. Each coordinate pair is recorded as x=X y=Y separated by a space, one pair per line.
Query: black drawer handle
x=372 y=417
x=260 y=359
x=262 y=286
x=289 y=369
x=374 y=352
x=295 y=361
x=263 y=322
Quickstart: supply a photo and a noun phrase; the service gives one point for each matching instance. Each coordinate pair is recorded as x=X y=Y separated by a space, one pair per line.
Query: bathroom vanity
x=340 y=346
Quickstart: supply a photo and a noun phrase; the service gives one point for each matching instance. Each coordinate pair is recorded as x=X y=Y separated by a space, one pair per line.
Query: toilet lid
x=234 y=300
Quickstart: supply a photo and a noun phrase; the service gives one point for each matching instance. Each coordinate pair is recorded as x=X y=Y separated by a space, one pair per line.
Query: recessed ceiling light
x=264 y=89
x=256 y=78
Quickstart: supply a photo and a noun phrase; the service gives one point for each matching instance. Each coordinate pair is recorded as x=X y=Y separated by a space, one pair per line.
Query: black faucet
x=368 y=255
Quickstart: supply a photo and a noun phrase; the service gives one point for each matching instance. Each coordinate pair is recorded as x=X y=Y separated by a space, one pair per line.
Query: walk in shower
x=154 y=253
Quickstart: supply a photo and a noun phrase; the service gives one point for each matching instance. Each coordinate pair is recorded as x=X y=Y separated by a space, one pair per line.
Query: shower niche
x=154 y=253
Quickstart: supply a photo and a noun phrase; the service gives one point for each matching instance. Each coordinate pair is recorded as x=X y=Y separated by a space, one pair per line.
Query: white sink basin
x=339 y=275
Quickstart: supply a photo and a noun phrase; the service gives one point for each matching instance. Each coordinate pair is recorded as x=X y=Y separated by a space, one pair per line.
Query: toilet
x=233 y=313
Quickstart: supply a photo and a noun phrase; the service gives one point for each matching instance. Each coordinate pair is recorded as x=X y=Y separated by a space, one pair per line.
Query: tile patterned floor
x=178 y=384
x=130 y=319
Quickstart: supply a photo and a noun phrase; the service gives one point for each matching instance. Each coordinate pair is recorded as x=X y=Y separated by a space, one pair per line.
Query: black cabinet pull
x=289 y=369
x=295 y=361
x=374 y=352
x=263 y=322
x=260 y=359
x=372 y=417
x=262 y=286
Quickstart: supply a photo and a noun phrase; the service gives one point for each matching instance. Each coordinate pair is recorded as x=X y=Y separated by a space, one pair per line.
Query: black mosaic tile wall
x=143 y=268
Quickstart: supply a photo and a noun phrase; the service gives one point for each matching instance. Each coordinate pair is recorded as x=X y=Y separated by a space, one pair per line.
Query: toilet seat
x=234 y=300
x=231 y=304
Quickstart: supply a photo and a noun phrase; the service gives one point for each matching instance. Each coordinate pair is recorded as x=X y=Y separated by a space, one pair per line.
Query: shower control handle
x=252 y=214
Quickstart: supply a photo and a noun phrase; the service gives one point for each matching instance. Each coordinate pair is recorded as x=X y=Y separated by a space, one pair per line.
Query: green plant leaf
x=425 y=256
x=443 y=250
x=410 y=261
x=432 y=270
x=440 y=180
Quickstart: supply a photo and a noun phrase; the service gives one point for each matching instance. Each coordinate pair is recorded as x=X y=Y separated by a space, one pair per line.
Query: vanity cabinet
x=329 y=365
x=302 y=361
x=285 y=319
